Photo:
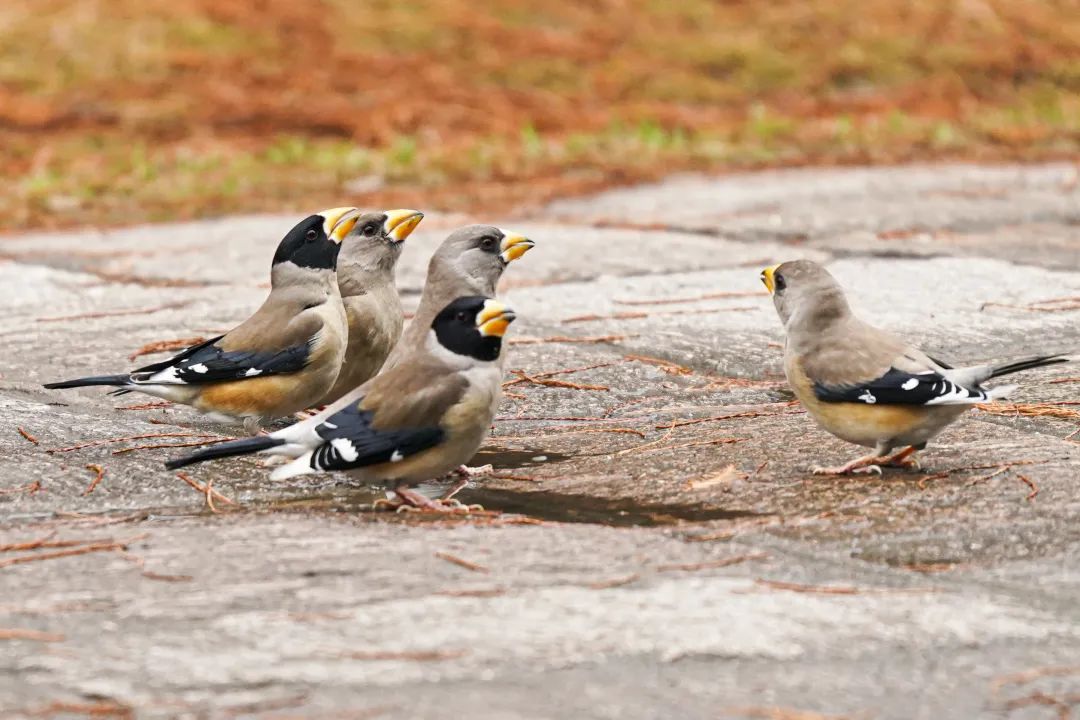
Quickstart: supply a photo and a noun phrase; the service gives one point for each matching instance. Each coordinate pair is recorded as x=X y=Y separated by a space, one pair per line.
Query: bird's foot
x=861 y=466
x=903 y=459
x=406 y=500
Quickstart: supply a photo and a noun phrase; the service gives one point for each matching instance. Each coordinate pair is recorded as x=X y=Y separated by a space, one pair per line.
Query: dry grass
x=128 y=110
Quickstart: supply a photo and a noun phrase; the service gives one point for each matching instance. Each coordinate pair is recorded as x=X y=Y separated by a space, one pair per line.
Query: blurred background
x=125 y=111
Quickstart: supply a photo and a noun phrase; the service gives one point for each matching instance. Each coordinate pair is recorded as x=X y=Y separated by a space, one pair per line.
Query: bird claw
x=407 y=501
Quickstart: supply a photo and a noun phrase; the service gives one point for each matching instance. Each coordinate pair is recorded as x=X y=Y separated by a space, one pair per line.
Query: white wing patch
x=199 y=368
x=868 y=397
x=911 y=384
x=397 y=456
x=250 y=372
x=346 y=450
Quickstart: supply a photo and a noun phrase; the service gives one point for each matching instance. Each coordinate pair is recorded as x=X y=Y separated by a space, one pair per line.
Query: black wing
x=208 y=363
x=897 y=387
x=351 y=442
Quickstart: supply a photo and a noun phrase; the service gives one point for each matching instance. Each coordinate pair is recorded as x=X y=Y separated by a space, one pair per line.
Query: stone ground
x=638 y=570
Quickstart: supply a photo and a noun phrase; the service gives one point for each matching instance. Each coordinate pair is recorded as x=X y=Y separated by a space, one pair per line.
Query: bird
x=469 y=262
x=365 y=272
x=413 y=422
x=278 y=361
x=865 y=385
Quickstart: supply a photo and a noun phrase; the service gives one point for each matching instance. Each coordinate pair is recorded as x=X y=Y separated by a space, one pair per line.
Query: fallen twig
x=482 y=592
x=732 y=416
x=1063 y=304
x=206 y=490
x=157 y=446
x=698 y=298
x=724 y=383
x=416 y=655
x=109 y=441
x=756 y=471
x=666 y=365
x=81 y=550
x=164 y=345
x=696 y=443
x=781 y=713
x=640 y=315
x=588 y=339
x=614 y=583
x=833 y=589
x=24 y=634
x=711 y=564
x=1027 y=481
x=547 y=382
x=30 y=488
x=1062 y=704
x=28 y=436
x=460 y=562
x=98 y=710
x=921 y=482
x=114 y=313
x=99 y=473
x=542 y=378
x=1048 y=409
x=1026 y=676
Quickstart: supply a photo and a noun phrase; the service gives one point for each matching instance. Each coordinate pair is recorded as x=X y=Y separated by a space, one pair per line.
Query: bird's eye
x=487 y=243
x=462 y=316
x=370 y=229
x=779 y=282
x=312 y=234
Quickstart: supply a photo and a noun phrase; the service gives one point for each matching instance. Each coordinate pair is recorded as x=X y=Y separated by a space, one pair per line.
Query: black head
x=473 y=326
x=314 y=242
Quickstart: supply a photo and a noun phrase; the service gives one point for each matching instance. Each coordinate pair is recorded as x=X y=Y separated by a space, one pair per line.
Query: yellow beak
x=493 y=320
x=337 y=222
x=767 y=278
x=514 y=246
x=400 y=223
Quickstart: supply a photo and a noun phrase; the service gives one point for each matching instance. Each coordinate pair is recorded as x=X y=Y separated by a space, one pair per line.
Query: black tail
x=1032 y=362
x=111 y=380
x=228 y=449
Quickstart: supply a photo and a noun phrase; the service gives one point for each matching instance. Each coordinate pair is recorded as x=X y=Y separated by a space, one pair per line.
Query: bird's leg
x=464 y=474
x=309 y=413
x=903 y=459
x=864 y=465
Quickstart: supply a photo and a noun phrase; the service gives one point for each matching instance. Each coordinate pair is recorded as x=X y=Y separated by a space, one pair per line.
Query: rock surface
x=638 y=570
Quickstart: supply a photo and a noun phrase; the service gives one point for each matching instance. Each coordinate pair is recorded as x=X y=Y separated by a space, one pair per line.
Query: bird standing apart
x=469 y=262
x=867 y=386
x=365 y=272
x=413 y=422
x=278 y=361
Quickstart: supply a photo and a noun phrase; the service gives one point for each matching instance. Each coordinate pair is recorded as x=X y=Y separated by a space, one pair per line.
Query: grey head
x=472 y=258
x=806 y=295
x=371 y=249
